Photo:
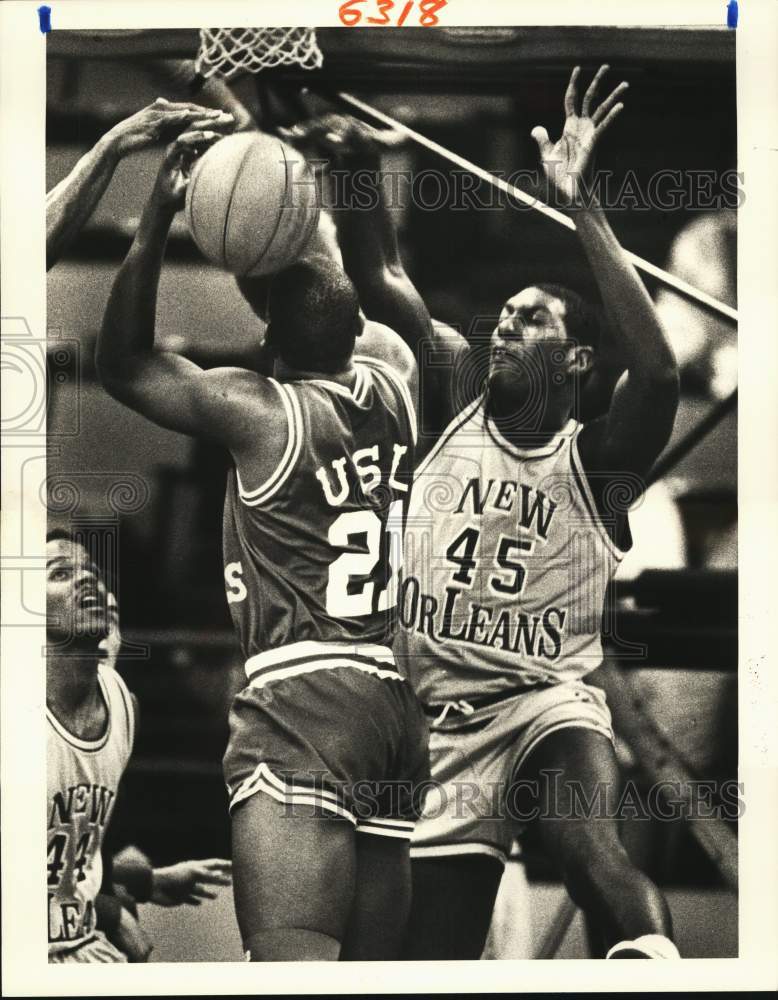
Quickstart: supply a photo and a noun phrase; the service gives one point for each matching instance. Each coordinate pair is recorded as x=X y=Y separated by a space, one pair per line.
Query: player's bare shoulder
x=235 y=397
x=248 y=414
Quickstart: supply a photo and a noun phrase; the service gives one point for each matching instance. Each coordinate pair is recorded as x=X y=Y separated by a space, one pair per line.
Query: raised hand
x=341 y=137
x=572 y=155
x=189 y=881
x=163 y=120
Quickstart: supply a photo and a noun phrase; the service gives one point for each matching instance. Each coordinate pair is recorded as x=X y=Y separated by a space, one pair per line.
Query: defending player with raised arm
x=514 y=504
x=371 y=256
x=328 y=744
x=640 y=419
x=71 y=202
x=499 y=634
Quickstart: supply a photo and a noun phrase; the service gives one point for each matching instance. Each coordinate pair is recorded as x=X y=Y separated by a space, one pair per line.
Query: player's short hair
x=62 y=535
x=314 y=316
x=581 y=318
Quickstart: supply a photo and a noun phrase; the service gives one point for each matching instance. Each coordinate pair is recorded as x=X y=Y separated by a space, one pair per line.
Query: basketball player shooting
x=328 y=744
x=91 y=720
x=500 y=631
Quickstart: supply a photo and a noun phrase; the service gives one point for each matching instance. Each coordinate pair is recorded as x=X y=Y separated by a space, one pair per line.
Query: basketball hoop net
x=229 y=51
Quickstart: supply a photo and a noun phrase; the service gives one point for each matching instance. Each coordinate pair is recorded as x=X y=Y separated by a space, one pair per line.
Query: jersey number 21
x=342 y=604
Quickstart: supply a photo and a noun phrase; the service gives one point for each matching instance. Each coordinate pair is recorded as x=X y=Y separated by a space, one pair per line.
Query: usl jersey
x=506 y=565
x=315 y=552
x=83 y=779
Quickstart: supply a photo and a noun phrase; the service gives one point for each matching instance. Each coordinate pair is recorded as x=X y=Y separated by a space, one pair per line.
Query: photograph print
x=391 y=562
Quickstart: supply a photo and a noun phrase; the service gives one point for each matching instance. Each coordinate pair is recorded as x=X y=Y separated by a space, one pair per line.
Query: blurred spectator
x=703 y=254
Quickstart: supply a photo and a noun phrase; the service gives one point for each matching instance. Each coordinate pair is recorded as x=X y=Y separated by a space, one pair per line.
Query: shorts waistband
x=307 y=656
x=466 y=706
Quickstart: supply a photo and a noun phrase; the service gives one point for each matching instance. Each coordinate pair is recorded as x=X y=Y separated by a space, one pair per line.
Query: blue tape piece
x=44 y=19
x=732 y=13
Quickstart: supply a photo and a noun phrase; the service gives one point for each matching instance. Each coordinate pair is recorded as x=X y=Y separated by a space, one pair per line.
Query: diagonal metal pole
x=681 y=448
x=662 y=276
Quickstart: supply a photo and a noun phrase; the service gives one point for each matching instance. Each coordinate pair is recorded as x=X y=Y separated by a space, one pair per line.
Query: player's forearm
x=128 y=327
x=178 y=77
x=366 y=231
x=371 y=257
x=136 y=874
x=642 y=345
x=70 y=204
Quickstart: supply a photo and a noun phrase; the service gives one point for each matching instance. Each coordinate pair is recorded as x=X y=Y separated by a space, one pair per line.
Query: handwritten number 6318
x=351 y=14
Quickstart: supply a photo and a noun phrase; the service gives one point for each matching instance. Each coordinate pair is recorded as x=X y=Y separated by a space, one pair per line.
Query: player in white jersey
x=513 y=534
x=90 y=719
x=90 y=730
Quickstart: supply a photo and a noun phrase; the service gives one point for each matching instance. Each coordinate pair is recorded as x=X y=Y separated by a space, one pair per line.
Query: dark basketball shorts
x=330 y=729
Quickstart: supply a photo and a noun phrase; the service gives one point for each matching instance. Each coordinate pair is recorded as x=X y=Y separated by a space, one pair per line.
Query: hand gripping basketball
x=175 y=171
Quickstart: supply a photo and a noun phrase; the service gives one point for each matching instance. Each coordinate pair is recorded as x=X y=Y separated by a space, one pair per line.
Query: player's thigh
x=577 y=780
x=451 y=906
x=382 y=897
x=291 y=870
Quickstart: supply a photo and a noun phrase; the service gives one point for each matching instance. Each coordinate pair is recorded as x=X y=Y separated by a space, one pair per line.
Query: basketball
x=251 y=204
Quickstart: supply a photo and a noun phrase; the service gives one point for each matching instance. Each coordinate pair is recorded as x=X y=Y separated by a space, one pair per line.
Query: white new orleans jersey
x=506 y=565
x=83 y=779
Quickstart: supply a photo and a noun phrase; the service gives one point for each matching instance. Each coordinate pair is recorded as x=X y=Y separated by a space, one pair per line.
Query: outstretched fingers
x=215 y=871
x=608 y=118
x=591 y=90
x=604 y=114
x=601 y=112
x=571 y=94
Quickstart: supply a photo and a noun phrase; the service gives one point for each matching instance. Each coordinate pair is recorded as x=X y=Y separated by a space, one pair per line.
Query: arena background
x=155 y=496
